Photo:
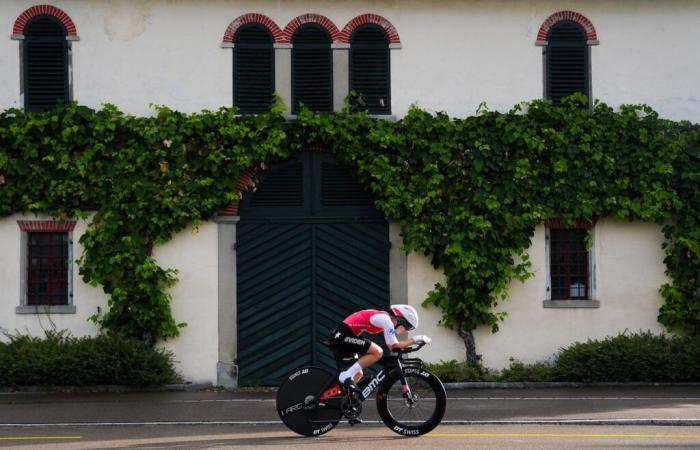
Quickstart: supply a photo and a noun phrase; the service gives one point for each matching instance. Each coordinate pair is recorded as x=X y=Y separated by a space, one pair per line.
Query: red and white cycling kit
x=346 y=340
x=372 y=321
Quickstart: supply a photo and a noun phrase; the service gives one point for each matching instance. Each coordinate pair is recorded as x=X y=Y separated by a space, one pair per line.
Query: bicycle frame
x=390 y=363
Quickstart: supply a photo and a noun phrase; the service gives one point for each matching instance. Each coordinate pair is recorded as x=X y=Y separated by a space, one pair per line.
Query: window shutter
x=312 y=69
x=369 y=68
x=45 y=64
x=340 y=188
x=567 y=61
x=253 y=69
x=282 y=186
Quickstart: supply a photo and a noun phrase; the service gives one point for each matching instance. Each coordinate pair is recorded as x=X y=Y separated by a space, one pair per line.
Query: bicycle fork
x=405 y=388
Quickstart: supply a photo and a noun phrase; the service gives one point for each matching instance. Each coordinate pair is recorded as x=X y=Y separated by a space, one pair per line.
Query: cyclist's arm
x=384 y=321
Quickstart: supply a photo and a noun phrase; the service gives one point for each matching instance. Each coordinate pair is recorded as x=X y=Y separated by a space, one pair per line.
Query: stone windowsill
x=45 y=309
x=571 y=303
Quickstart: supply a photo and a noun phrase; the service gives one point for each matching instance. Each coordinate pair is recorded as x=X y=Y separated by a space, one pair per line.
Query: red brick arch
x=547 y=25
x=245 y=19
x=375 y=19
x=246 y=181
x=318 y=19
x=40 y=10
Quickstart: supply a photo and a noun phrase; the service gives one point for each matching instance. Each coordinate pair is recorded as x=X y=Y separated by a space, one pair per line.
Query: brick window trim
x=556 y=223
x=284 y=36
x=46 y=226
x=255 y=18
x=591 y=34
x=374 y=19
x=246 y=183
x=40 y=10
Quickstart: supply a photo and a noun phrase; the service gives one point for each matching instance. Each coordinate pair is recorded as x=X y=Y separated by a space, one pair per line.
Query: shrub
x=60 y=359
x=631 y=357
x=455 y=371
x=519 y=371
x=636 y=357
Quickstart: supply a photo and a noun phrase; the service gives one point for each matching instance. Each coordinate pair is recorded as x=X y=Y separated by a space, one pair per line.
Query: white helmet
x=406 y=316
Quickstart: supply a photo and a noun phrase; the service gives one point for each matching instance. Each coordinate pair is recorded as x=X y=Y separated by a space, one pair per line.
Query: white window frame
x=592 y=301
x=24 y=307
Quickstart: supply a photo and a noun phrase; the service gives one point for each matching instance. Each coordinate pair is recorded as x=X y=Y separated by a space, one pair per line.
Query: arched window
x=312 y=69
x=567 y=61
x=370 y=69
x=45 y=63
x=253 y=69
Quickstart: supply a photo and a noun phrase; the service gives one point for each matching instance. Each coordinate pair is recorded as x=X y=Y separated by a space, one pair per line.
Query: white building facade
x=447 y=55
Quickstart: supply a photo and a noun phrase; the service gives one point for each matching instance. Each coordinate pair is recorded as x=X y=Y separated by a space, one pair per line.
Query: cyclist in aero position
x=346 y=340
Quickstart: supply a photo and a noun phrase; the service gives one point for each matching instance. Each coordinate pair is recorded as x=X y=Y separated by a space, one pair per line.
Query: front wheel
x=417 y=415
x=302 y=404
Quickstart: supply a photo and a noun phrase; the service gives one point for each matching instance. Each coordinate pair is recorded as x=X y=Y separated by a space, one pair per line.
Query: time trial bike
x=411 y=401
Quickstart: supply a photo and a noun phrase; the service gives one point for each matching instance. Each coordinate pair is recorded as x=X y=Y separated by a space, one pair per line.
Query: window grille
x=569 y=263
x=47 y=269
x=312 y=69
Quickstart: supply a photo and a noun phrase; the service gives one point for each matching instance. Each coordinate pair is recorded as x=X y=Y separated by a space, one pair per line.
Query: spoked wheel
x=418 y=414
x=298 y=403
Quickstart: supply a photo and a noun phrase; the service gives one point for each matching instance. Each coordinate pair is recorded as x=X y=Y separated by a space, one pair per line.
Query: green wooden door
x=304 y=263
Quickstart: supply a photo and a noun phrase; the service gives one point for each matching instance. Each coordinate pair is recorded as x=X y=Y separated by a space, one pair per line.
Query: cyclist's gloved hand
x=421 y=339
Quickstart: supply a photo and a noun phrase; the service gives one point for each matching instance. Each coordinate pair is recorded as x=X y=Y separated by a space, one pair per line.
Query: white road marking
x=665 y=421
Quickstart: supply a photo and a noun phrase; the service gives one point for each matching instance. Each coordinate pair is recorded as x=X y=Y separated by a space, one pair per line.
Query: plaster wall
x=629 y=271
x=193 y=252
x=454 y=54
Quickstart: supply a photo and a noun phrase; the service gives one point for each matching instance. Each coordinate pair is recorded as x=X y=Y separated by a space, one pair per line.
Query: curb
x=109 y=388
x=187 y=387
x=558 y=384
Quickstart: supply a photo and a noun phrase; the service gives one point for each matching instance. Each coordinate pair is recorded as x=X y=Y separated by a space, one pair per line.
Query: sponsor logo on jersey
x=354 y=340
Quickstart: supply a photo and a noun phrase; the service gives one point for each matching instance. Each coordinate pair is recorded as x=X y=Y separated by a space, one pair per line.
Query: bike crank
x=351 y=407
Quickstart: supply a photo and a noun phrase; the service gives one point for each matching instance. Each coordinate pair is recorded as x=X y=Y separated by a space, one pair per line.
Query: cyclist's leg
x=373 y=355
x=344 y=342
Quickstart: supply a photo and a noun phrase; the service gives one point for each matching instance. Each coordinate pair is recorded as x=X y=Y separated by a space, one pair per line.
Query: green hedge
x=636 y=357
x=631 y=357
x=60 y=359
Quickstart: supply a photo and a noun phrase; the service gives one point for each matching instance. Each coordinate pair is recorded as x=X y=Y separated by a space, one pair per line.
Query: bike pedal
x=354 y=422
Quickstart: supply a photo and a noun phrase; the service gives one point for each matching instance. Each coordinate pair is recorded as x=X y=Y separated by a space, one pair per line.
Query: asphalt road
x=498 y=418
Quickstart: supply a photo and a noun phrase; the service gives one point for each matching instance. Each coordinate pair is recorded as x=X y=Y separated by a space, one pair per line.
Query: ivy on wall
x=468 y=192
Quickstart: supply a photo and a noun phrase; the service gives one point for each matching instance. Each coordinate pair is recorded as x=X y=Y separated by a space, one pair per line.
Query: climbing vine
x=467 y=192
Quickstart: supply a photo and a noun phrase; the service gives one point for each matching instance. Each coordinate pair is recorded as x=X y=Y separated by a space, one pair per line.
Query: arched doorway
x=311 y=248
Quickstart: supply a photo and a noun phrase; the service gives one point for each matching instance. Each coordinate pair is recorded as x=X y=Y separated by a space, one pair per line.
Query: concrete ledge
x=45 y=309
x=571 y=303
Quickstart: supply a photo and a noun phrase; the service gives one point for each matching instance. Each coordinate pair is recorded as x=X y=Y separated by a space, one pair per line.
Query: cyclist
x=345 y=338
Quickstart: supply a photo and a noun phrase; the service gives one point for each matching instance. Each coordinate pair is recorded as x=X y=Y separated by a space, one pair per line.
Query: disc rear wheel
x=299 y=406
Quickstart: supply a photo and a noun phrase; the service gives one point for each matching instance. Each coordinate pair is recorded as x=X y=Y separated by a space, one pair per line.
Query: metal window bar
x=569 y=265
x=47 y=277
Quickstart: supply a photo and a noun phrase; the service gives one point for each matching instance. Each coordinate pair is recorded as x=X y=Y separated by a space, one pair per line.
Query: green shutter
x=567 y=61
x=253 y=69
x=370 y=69
x=312 y=69
x=45 y=64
